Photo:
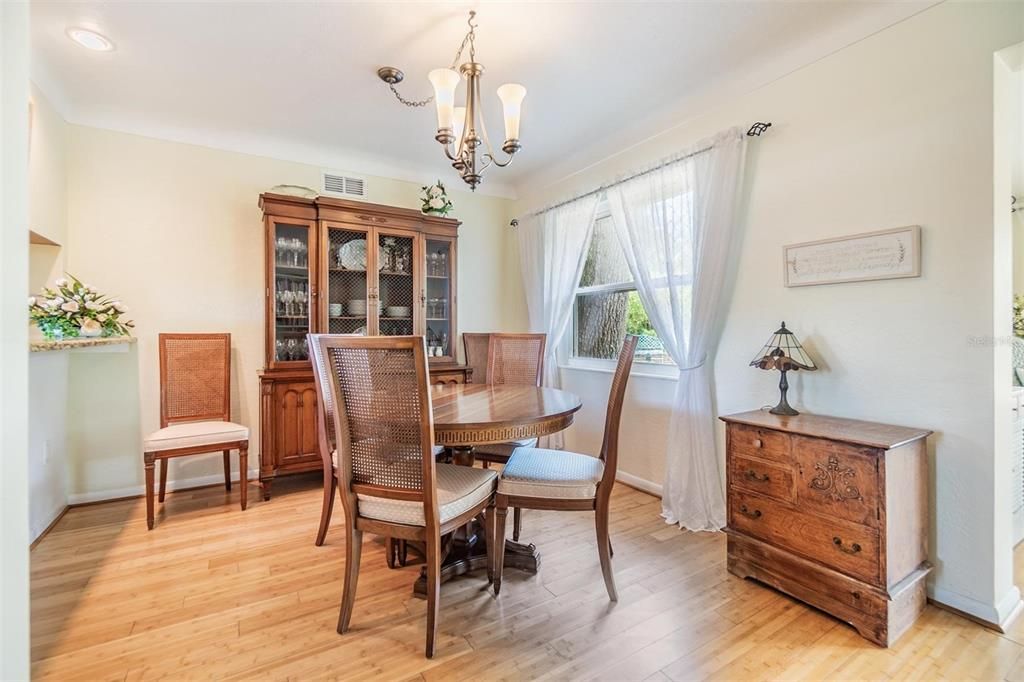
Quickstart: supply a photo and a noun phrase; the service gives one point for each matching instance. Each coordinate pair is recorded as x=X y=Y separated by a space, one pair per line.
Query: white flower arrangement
x=435 y=200
x=74 y=309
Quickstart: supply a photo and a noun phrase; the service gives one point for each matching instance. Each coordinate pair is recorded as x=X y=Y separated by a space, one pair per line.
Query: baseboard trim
x=46 y=531
x=998 y=617
x=638 y=483
x=79 y=499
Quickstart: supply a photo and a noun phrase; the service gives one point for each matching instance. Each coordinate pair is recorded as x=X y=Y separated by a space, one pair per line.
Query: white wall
x=14 y=580
x=175 y=231
x=894 y=130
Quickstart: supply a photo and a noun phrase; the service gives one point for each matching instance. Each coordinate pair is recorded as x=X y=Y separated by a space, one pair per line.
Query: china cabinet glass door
x=396 y=283
x=440 y=302
x=347 y=300
x=292 y=252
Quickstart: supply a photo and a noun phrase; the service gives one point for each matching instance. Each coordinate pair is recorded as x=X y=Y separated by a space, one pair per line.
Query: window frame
x=570 y=347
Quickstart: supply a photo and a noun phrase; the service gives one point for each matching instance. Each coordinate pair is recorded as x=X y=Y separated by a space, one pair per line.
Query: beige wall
x=48 y=372
x=894 y=130
x=174 y=230
x=48 y=206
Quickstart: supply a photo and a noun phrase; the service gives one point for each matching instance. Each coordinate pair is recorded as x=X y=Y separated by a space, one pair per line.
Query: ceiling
x=296 y=80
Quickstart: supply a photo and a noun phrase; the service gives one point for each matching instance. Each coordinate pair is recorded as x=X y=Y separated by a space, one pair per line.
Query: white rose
x=435 y=191
x=31 y=300
x=61 y=282
x=51 y=303
x=436 y=203
x=90 y=328
x=119 y=307
x=102 y=317
x=70 y=307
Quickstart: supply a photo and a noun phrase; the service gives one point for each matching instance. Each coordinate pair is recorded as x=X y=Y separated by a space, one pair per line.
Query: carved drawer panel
x=761 y=476
x=837 y=479
x=760 y=442
x=846 y=547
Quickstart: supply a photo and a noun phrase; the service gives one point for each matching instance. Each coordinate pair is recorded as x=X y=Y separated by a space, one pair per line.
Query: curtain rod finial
x=758 y=128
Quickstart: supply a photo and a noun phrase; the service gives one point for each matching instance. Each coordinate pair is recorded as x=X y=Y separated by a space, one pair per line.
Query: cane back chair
x=195 y=409
x=387 y=476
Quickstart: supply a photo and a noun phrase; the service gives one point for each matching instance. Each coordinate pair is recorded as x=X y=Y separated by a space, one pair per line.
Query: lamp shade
x=783 y=352
x=444 y=81
x=511 y=95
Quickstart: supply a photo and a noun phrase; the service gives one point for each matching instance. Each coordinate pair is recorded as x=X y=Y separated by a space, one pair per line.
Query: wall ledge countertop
x=40 y=345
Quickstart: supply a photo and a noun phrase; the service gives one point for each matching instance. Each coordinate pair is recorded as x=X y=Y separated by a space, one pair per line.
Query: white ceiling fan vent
x=344 y=185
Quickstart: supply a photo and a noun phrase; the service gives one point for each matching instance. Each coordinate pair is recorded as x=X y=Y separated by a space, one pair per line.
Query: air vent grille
x=344 y=185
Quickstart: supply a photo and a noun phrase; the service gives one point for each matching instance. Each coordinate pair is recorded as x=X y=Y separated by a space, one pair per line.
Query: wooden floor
x=216 y=593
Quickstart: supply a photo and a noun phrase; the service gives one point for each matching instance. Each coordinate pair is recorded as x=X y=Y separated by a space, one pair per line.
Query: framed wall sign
x=886 y=254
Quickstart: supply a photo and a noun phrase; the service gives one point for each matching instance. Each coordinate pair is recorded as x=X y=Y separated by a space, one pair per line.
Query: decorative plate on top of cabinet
x=353 y=255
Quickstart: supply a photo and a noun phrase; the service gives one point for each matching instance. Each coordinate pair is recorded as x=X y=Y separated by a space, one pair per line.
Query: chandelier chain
x=470 y=40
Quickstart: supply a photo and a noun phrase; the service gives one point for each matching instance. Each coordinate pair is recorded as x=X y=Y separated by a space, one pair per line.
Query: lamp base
x=783 y=407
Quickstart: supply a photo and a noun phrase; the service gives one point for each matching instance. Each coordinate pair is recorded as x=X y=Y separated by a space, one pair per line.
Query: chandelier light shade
x=461 y=131
x=511 y=95
x=444 y=81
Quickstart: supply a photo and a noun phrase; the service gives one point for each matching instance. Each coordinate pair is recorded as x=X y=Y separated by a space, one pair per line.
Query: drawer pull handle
x=756 y=514
x=852 y=549
x=758 y=443
x=752 y=475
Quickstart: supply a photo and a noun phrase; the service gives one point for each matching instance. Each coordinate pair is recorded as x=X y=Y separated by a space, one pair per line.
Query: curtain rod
x=755 y=131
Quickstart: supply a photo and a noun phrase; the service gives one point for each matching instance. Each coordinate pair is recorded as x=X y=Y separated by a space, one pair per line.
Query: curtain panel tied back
x=676 y=224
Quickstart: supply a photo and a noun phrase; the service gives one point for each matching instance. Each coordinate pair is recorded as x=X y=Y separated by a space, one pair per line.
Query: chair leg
x=517 y=523
x=433 y=590
x=327 y=507
x=604 y=549
x=149 y=463
x=227 y=470
x=164 y=464
x=243 y=474
x=391 y=552
x=489 y=533
x=353 y=552
x=500 y=512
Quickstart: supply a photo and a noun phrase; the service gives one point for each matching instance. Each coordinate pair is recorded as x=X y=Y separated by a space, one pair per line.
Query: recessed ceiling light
x=90 y=39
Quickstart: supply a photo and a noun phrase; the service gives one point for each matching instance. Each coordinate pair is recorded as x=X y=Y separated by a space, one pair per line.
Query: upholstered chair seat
x=459 y=489
x=194 y=434
x=538 y=478
x=551 y=474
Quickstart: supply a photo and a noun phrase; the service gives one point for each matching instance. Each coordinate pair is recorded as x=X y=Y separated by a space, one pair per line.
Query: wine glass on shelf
x=293 y=347
x=302 y=298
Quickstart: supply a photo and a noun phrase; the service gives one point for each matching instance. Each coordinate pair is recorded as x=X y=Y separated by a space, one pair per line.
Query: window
x=607 y=305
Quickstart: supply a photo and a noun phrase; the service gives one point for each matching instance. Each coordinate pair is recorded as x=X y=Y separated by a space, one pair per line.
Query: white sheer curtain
x=676 y=223
x=552 y=250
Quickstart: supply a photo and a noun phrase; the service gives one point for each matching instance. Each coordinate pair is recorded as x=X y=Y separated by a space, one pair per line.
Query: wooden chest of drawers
x=833 y=512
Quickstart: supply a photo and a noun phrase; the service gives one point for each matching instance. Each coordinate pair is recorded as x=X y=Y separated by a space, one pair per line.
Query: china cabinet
x=346 y=267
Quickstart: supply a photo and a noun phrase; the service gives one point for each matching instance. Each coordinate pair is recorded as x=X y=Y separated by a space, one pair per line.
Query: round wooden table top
x=480 y=414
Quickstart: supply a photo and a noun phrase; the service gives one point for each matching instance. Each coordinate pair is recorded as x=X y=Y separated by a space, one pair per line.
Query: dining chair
x=387 y=477
x=195 y=409
x=516 y=359
x=477 y=346
x=396 y=553
x=536 y=478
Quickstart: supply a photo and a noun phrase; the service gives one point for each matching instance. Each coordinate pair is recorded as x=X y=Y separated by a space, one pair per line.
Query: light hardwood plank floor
x=217 y=593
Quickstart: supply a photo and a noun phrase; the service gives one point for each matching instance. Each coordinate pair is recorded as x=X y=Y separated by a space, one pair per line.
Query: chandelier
x=461 y=130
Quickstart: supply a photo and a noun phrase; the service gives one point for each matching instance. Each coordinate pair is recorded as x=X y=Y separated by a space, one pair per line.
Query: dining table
x=468 y=415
